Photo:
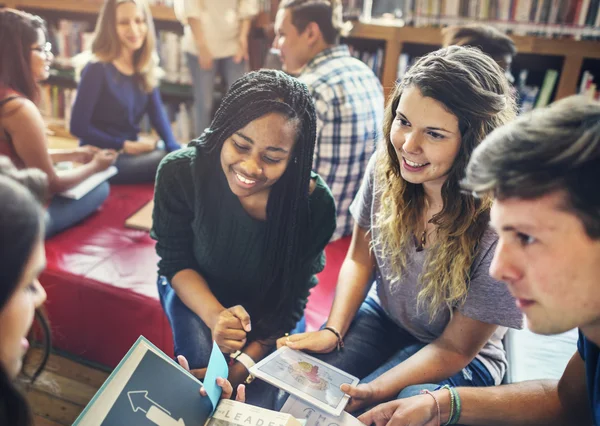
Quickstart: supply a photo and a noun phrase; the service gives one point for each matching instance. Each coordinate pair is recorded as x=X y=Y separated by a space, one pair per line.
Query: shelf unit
x=159 y=13
x=573 y=51
x=394 y=38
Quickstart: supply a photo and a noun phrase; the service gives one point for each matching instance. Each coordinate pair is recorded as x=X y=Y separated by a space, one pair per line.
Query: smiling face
x=426 y=138
x=257 y=155
x=41 y=57
x=132 y=27
x=549 y=263
x=17 y=315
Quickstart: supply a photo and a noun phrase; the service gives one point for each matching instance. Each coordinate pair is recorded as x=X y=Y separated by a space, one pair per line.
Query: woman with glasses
x=25 y=59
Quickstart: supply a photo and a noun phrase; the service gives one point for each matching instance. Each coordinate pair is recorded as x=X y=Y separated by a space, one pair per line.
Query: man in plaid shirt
x=348 y=96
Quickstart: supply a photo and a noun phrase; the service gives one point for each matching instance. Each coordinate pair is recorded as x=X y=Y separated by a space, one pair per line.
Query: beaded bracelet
x=437 y=405
x=454 y=420
x=452 y=404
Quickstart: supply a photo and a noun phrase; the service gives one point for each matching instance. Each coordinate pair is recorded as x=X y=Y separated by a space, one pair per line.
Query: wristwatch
x=247 y=362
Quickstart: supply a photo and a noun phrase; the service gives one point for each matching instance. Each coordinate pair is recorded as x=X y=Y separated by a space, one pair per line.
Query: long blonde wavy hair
x=106 y=45
x=472 y=87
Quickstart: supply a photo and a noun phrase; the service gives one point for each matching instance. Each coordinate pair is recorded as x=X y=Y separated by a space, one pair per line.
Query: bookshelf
x=159 y=13
x=573 y=52
x=395 y=39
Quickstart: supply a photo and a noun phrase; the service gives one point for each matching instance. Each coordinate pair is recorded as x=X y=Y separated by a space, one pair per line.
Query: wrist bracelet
x=454 y=420
x=452 y=405
x=340 y=341
x=437 y=405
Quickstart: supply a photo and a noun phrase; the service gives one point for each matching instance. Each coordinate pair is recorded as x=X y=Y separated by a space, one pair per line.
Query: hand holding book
x=224 y=384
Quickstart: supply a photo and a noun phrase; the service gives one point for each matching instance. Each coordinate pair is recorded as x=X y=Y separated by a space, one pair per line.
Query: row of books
x=374 y=60
x=587 y=86
x=72 y=37
x=576 y=18
x=56 y=104
x=532 y=96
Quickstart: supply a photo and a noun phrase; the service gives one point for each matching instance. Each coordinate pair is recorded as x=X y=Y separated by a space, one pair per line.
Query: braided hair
x=254 y=95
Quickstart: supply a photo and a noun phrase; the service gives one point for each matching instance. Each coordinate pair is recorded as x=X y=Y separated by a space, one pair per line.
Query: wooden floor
x=63 y=390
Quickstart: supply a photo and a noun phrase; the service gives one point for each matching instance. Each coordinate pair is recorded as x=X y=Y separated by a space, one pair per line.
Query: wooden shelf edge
x=433 y=36
x=159 y=13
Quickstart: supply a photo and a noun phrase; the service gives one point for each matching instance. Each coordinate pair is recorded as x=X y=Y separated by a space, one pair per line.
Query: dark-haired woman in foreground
x=241 y=223
x=23 y=259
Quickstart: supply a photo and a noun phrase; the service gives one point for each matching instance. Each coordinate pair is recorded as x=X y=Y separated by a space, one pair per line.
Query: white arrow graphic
x=154 y=412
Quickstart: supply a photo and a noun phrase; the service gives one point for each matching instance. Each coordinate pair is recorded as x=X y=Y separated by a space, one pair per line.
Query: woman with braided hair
x=241 y=223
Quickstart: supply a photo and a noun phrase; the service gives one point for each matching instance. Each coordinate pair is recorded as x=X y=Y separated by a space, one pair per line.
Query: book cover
x=148 y=388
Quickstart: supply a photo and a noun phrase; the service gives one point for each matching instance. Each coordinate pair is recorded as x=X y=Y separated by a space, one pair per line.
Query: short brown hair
x=490 y=40
x=554 y=149
x=326 y=14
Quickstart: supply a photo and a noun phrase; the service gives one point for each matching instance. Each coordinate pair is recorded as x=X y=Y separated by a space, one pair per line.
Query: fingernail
x=249 y=327
x=219 y=380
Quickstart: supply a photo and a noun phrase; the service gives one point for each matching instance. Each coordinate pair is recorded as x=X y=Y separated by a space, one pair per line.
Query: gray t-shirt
x=487 y=300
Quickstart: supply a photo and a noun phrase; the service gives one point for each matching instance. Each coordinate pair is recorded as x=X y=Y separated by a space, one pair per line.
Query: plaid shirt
x=349 y=104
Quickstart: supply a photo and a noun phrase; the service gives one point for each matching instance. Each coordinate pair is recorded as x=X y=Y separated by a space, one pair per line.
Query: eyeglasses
x=46 y=49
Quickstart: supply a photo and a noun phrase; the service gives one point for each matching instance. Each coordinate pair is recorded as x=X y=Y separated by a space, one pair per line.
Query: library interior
x=428 y=169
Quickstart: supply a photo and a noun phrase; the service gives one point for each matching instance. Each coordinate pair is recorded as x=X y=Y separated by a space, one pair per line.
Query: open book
x=78 y=191
x=148 y=388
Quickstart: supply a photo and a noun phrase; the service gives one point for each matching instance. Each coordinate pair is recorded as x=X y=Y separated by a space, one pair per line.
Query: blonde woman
x=118 y=86
x=434 y=314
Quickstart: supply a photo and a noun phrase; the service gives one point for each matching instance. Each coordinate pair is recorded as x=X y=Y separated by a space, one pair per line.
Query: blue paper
x=217 y=367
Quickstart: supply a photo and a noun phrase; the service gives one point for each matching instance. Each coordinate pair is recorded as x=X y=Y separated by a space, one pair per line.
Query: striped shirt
x=349 y=104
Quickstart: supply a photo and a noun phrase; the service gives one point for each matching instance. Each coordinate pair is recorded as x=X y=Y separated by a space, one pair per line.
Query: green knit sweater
x=205 y=228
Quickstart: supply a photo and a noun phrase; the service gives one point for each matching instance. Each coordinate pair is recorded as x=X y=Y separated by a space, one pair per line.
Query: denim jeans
x=374 y=344
x=65 y=212
x=193 y=339
x=137 y=168
x=204 y=81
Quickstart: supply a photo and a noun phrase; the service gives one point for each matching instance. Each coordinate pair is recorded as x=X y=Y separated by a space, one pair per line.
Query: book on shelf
x=550 y=18
x=148 y=387
x=587 y=87
x=547 y=88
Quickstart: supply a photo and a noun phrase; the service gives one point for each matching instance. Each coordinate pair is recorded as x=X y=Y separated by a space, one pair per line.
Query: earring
x=295 y=160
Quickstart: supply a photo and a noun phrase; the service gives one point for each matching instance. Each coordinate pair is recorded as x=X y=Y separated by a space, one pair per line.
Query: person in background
x=25 y=58
x=347 y=94
x=240 y=223
x=215 y=40
x=490 y=40
x=543 y=170
x=434 y=314
x=118 y=86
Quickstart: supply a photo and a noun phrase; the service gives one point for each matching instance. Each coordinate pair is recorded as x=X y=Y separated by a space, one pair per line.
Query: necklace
x=421 y=242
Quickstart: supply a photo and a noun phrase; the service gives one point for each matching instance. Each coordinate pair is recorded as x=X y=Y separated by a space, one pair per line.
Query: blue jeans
x=65 y=212
x=193 y=339
x=374 y=344
x=204 y=81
